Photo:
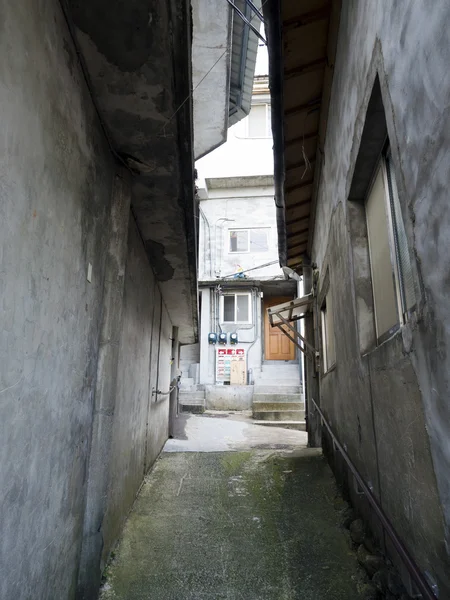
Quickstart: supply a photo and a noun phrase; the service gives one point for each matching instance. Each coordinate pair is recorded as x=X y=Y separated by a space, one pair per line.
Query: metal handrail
x=407 y=559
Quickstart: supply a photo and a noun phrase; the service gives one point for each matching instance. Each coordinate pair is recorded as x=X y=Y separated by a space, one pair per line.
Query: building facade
x=362 y=156
x=239 y=272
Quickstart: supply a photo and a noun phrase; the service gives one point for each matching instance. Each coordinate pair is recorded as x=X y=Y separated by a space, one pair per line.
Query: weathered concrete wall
x=55 y=186
x=244 y=207
x=228 y=397
x=132 y=396
x=56 y=218
x=158 y=418
x=389 y=405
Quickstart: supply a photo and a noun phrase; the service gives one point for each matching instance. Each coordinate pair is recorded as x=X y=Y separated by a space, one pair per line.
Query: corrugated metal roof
x=243 y=61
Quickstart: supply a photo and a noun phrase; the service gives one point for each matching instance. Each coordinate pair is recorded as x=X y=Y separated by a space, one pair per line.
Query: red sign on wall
x=223 y=361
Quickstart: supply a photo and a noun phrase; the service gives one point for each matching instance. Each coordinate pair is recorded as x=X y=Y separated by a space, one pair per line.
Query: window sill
x=330 y=370
x=412 y=321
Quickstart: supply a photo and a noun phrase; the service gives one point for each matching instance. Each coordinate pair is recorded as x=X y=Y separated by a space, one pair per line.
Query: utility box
x=238 y=373
x=225 y=357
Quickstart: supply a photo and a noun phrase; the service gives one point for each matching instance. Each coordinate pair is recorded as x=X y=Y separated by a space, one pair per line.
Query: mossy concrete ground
x=253 y=525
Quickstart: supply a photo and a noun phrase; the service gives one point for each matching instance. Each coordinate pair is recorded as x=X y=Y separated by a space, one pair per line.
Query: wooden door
x=276 y=345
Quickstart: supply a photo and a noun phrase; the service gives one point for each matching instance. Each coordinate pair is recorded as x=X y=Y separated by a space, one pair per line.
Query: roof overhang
x=302 y=36
x=224 y=59
x=136 y=59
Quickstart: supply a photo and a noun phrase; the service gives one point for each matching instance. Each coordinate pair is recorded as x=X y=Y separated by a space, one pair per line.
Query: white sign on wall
x=224 y=358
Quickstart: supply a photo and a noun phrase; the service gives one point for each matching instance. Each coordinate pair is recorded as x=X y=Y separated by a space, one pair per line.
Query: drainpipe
x=255 y=325
x=273 y=30
x=205 y=219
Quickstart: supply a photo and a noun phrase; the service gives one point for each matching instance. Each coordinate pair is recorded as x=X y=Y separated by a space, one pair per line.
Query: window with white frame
x=236 y=308
x=248 y=240
x=327 y=327
x=258 y=123
x=390 y=263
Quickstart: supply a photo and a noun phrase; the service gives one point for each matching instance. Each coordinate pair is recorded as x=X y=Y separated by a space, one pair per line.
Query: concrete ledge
x=197 y=409
x=299 y=425
x=229 y=397
x=281 y=415
x=276 y=406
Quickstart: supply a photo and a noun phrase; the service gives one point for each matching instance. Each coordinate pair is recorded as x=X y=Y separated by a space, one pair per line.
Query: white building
x=239 y=274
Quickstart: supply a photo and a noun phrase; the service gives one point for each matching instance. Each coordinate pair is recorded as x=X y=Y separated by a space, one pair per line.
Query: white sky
x=262 y=61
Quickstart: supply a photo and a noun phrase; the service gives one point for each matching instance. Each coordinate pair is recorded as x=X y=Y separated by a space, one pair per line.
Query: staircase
x=277 y=399
x=191 y=397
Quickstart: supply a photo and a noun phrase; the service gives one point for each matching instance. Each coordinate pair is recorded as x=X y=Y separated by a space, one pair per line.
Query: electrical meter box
x=225 y=367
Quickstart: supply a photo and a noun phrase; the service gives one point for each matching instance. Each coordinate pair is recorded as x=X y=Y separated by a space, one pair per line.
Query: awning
x=290 y=311
x=283 y=315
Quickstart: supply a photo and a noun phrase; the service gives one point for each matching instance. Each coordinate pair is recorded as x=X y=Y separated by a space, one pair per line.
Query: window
x=258 y=121
x=328 y=343
x=390 y=264
x=249 y=240
x=235 y=308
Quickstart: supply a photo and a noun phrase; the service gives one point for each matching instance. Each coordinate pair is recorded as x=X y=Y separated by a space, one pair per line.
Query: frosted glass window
x=328 y=340
x=259 y=240
x=383 y=279
x=242 y=309
x=239 y=240
x=249 y=240
x=236 y=308
x=228 y=309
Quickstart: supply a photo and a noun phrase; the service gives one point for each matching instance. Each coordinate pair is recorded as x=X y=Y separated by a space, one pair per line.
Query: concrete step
x=196 y=409
x=277 y=379
x=192 y=402
x=279 y=397
x=187 y=382
x=279 y=415
x=276 y=389
x=192 y=388
x=299 y=425
x=191 y=397
x=277 y=406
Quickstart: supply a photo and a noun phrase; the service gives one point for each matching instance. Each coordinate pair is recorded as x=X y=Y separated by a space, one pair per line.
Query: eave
x=302 y=39
x=137 y=64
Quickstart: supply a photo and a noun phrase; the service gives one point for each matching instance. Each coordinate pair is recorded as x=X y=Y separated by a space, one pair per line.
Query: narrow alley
x=234 y=510
x=224 y=300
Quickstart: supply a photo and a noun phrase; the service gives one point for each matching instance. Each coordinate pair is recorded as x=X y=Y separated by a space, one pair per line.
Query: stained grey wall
x=244 y=207
x=129 y=437
x=56 y=186
x=390 y=405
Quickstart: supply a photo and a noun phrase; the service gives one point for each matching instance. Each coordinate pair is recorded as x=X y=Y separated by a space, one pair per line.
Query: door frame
x=265 y=361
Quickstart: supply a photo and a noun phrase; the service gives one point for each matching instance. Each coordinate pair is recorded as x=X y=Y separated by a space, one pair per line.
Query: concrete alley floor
x=235 y=511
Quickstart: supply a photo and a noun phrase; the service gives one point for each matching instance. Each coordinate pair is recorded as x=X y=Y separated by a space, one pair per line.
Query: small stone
x=370 y=545
x=371 y=562
x=368 y=592
x=347 y=516
x=357 y=531
x=394 y=584
x=348 y=539
x=380 y=580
